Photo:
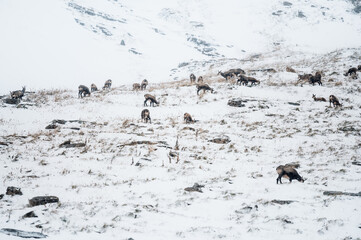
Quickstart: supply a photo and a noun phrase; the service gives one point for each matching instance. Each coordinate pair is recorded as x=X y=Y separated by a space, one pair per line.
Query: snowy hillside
x=61 y=43
x=113 y=176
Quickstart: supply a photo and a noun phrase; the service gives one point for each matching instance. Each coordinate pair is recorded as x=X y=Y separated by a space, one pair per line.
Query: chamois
x=304 y=78
x=316 y=78
x=244 y=80
x=230 y=73
x=144 y=84
x=146 y=116
x=333 y=99
x=200 y=79
x=107 y=84
x=93 y=87
x=18 y=94
x=203 y=87
x=321 y=99
x=192 y=77
x=150 y=98
x=288 y=172
x=351 y=71
x=188 y=118
x=83 y=91
x=136 y=86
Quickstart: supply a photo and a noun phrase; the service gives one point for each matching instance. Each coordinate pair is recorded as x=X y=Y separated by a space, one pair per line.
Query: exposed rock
x=30 y=215
x=235 y=102
x=282 y=202
x=11 y=101
x=285 y=3
x=58 y=121
x=51 y=126
x=13 y=191
x=143 y=142
x=220 y=140
x=41 y=200
x=337 y=193
x=22 y=234
x=1 y=196
x=196 y=188
x=289 y=69
x=294 y=104
x=5 y=143
x=68 y=144
x=300 y=14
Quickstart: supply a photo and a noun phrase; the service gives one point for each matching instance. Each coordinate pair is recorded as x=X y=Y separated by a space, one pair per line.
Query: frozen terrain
x=128 y=179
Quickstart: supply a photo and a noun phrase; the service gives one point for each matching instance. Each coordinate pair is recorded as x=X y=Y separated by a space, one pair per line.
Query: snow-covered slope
x=64 y=43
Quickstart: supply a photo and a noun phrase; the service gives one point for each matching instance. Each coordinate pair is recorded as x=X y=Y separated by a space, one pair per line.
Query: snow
x=114 y=188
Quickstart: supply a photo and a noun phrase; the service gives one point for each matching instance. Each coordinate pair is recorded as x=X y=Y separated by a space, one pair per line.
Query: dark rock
x=30 y=215
x=356 y=163
x=196 y=188
x=282 y=202
x=22 y=234
x=122 y=43
x=5 y=143
x=294 y=104
x=13 y=191
x=58 y=121
x=337 y=193
x=285 y=3
x=300 y=14
x=235 y=102
x=13 y=101
x=41 y=200
x=68 y=144
x=51 y=126
x=220 y=140
x=1 y=196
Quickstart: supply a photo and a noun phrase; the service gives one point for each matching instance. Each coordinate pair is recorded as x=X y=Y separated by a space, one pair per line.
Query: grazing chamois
x=144 y=84
x=316 y=78
x=200 y=79
x=203 y=87
x=228 y=74
x=107 y=84
x=93 y=87
x=136 y=86
x=333 y=99
x=188 y=118
x=351 y=71
x=192 y=77
x=150 y=98
x=146 y=116
x=18 y=94
x=83 y=91
x=320 y=99
x=288 y=172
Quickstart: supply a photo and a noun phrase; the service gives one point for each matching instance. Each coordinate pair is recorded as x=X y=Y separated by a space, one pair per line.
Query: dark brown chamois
x=200 y=79
x=228 y=74
x=320 y=99
x=136 y=86
x=192 y=77
x=150 y=98
x=242 y=79
x=18 y=94
x=188 y=118
x=316 y=78
x=204 y=87
x=146 y=116
x=83 y=91
x=93 y=87
x=288 y=172
x=351 y=71
x=333 y=99
x=144 y=84
x=107 y=84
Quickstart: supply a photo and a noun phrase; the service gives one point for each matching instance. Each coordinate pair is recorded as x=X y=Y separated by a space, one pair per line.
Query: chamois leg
x=145 y=103
x=279 y=178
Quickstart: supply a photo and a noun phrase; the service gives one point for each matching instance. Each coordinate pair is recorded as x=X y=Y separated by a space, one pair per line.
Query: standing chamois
x=242 y=79
x=107 y=84
x=150 y=98
x=145 y=115
x=18 y=94
x=188 y=118
x=316 y=78
x=144 y=84
x=83 y=91
x=93 y=87
x=136 y=86
x=192 y=77
x=203 y=87
x=353 y=71
x=228 y=74
x=288 y=172
x=334 y=101
x=321 y=99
